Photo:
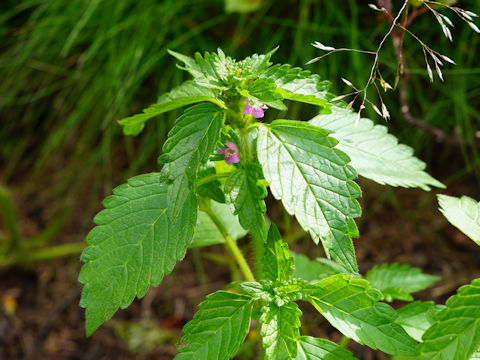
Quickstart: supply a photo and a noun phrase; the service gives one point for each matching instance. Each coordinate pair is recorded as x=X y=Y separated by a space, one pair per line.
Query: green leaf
x=218 y=328
x=313 y=270
x=314 y=182
x=456 y=331
x=417 y=317
x=207 y=233
x=189 y=144
x=310 y=348
x=279 y=330
x=133 y=246
x=187 y=93
x=463 y=213
x=211 y=189
x=207 y=67
x=264 y=91
x=255 y=64
x=396 y=281
x=298 y=84
x=352 y=307
x=375 y=154
x=277 y=265
x=246 y=194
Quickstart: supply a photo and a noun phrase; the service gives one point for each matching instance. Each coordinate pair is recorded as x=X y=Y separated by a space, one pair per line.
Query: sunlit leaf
x=279 y=330
x=314 y=182
x=277 y=265
x=463 y=213
x=456 y=331
x=133 y=246
x=375 y=153
x=352 y=307
x=189 y=144
x=218 y=328
x=417 y=317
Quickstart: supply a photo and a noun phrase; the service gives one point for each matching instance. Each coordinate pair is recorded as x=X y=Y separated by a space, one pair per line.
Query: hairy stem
x=232 y=247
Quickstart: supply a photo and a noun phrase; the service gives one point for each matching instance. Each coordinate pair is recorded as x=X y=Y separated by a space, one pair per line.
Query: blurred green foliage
x=71 y=68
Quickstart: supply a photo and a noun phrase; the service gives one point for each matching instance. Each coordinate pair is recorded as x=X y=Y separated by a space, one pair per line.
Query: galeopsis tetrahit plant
x=217 y=164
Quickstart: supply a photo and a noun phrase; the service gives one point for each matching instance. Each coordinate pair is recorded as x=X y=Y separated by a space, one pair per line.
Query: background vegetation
x=71 y=68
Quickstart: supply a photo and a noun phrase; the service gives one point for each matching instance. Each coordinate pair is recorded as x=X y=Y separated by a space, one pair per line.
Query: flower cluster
x=255 y=110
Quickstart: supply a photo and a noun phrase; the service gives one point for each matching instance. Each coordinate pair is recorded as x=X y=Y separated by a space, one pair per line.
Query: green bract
x=197 y=199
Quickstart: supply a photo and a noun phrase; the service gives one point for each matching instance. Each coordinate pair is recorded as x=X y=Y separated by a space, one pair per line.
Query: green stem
x=211 y=178
x=232 y=247
x=246 y=158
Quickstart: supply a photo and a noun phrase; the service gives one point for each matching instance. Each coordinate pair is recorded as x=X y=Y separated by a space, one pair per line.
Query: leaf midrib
x=309 y=185
x=216 y=331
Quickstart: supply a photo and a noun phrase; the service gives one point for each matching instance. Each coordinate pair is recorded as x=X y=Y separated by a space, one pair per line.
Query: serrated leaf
x=310 y=348
x=298 y=84
x=375 y=154
x=246 y=194
x=313 y=270
x=277 y=265
x=314 y=182
x=417 y=317
x=207 y=67
x=264 y=91
x=256 y=64
x=456 y=331
x=352 y=307
x=133 y=246
x=396 y=281
x=257 y=290
x=463 y=213
x=187 y=93
x=279 y=330
x=207 y=233
x=218 y=328
x=189 y=144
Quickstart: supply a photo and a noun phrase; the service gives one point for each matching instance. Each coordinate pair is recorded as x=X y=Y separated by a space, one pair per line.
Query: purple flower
x=231 y=153
x=255 y=110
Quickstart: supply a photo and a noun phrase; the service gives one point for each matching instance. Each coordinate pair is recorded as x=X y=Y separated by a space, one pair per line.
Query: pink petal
x=248 y=110
x=221 y=151
x=232 y=159
x=232 y=146
x=257 y=112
